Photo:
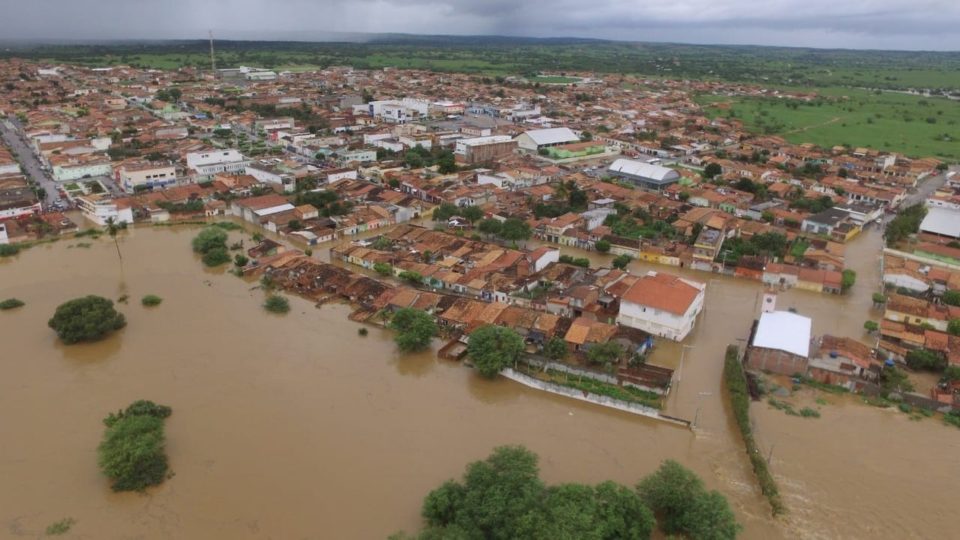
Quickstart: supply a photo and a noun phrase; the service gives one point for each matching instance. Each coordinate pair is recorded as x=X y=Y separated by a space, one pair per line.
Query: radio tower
x=213 y=63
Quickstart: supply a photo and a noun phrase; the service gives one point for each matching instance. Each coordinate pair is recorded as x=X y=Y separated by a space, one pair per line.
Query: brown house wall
x=489 y=152
x=774 y=361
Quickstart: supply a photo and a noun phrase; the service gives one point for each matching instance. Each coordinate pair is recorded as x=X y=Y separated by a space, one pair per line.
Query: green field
x=777 y=66
x=912 y=125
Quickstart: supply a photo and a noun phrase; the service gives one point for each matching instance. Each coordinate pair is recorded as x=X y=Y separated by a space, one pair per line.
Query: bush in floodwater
x=151 y=300
x=808 y=412
x=277 y=304
x=132 y=451
x=216 y=257
x=208 y=239
x=9 y=250
x=60 y=527
x=88 y=318
x=362 y=331
x=11 y=303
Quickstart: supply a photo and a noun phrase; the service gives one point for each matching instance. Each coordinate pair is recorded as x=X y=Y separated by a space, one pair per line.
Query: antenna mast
x=213 y=64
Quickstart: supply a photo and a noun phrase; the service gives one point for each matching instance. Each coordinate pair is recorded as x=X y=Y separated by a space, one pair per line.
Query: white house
x=207 y=164
x=543 y=257
x=662 y=305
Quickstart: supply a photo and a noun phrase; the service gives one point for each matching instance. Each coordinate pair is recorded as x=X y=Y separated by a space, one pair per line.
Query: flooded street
x=295 y=427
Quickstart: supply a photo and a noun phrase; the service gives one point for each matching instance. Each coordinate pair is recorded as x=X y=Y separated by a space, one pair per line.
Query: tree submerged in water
x=89 y=318
x=415 y=329
x=503 y=497
x=132 y=453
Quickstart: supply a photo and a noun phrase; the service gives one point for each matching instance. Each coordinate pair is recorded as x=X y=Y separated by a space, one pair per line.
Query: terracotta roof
x=662 y=291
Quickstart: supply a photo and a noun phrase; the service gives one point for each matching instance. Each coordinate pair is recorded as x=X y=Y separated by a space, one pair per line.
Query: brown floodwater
x=295 y=427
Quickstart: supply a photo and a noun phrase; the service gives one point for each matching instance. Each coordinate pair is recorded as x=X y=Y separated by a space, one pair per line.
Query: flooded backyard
x=296 y=427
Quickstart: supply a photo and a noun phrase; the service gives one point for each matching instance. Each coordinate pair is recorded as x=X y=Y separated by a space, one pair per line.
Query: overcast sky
x=876 y=24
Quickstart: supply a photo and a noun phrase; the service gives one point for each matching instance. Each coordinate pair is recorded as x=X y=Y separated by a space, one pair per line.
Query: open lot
x=913 y=125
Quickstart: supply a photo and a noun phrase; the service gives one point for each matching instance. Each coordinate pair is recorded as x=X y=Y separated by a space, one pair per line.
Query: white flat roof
x=273 y=210
x=942 y=221
x=552 y=136
x=784 y=331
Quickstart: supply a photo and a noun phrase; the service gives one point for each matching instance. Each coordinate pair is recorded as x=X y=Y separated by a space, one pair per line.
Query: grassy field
x=894 y=70
x=912 y=125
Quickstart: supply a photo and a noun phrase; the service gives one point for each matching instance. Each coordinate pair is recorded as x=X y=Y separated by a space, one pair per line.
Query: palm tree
x=112 y=230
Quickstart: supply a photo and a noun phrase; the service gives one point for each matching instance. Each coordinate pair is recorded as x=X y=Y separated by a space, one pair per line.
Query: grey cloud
x=886 y=24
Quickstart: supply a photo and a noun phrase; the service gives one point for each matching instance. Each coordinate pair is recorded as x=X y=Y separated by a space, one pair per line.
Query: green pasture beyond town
x=913 y=125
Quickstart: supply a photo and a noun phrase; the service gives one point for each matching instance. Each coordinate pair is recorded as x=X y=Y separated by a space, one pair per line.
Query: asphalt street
x=29 y=161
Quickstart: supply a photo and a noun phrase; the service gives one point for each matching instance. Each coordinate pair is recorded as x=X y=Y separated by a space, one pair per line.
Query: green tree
x=871 y=326
x=879 y=298
x=132 y=451
x=240 y=260
x=492 y=348
x=893 y=379
x=951 y=298
x=926 y=359
x=490 y=227
x=711 y=170
x=953 y=327
x=411 y=276
x=415 y=329
x=151 y=300
x=684 y=506
x=514 y=229
x=556 y=349
x=445 y=211
x=621 y=261
x=413 y=160
x=602 y=246
x=709 y=517
x=848 y=278
x=88 y=318
x=384 y=269
x=503 y=498
x=498 y=499
x=605 y=354
x=472 y=213
x=216 y=257
x=208 y=239
x=112 y=230
x=446 y=163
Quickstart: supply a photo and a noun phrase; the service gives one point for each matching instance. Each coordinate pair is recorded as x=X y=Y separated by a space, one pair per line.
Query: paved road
x=924 y=190
x=29 y=161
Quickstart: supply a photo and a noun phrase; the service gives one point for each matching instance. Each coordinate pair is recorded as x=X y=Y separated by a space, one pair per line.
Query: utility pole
x=213 y=63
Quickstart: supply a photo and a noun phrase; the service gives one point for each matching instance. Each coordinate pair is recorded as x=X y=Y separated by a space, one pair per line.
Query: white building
x=543 y=138
x=77 y=169
x=662 y=305
x=206 y=164
x=268 y=171
x=941 y=221
x=99 y=208
x=130 y=176
x=645 y=175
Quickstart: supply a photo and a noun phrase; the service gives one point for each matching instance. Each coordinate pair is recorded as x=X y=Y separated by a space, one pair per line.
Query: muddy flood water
x=294 y=426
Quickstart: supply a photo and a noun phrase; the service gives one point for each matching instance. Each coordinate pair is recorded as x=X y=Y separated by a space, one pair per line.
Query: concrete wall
x=605 y=401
